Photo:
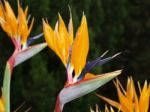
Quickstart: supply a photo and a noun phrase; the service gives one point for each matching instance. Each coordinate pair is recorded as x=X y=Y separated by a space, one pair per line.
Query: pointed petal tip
x=83 y=14
x=70 y=22
x=104 y=53
x=118 y=71
x=70 y=11
x=99 y=95
x=43 y=21
x=40 y=46
x=83 y=18
x=59 y=15
x=116 y=55
x=43 y=44
x=111 y=74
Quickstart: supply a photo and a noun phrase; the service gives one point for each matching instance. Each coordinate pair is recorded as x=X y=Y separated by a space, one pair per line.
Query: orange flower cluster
x=129 y=100
x=15 y=27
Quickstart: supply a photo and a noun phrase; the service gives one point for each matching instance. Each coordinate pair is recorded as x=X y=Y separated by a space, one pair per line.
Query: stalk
x=58 y=107
x=6 y=83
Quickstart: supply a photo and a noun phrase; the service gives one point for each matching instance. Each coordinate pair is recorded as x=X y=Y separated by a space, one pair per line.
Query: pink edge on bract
x=73 y=91
x=91 y=78
x=11 y=63
x=59 y=106
x=16 y=44
x=79 y=82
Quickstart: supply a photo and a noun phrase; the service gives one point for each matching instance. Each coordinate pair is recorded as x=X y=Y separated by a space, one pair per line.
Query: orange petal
x=62 y=40
x=7 y=29
x=144 y=98
x=11 y=19
x=22 y=25
x=130 y=90
x=133 y=98
x=89 y=76
x=4 y=24
x=80 y=47
x=113 y=103
x=58 y=40
x=1 y=12
x=49 y=35
x=70 y=29
x=124 y=100
x=51 y=38
x=26 y=12
x=23 y=30
x=9 y=11
x=1 y=105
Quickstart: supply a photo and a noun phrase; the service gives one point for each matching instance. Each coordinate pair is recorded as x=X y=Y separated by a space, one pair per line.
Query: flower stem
x=6 y=83
x=59 y=106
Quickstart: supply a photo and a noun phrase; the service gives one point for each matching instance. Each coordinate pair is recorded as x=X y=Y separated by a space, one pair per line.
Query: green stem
x=6 y=87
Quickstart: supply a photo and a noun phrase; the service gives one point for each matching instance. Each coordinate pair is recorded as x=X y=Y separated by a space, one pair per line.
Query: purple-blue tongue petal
x=97 y=62
x=31 y=39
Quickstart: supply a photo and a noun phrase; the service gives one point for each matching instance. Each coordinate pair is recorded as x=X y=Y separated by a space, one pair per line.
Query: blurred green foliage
x=116 y=25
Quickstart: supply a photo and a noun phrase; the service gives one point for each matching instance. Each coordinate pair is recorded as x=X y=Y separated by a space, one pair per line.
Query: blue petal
x=31 y=39
x=97 y=62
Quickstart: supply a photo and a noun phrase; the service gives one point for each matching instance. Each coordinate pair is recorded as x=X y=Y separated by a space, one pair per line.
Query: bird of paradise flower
x=18 y=30
x=73 y=53
x=129 y=100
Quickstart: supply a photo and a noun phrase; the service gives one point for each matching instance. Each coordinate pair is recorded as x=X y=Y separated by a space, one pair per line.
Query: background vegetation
x=114 y=25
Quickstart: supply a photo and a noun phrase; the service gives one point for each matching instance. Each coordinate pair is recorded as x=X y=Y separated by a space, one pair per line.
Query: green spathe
x=72 y=92
x=28 y=53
